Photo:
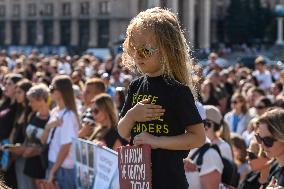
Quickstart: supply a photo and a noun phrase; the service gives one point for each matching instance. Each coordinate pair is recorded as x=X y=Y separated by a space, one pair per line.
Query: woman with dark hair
x=262 y=105
x=239 y=117
x=239 y=153
x=8 y=111
x=18 y=133
x=208 y=94
x=119 y=97
x=106 y=116
x=65 y=119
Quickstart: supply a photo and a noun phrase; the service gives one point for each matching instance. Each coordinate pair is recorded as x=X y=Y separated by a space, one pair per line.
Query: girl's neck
x=61 y=104
x=106 y=123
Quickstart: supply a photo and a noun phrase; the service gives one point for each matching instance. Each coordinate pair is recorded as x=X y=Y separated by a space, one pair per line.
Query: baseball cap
x=213 y=114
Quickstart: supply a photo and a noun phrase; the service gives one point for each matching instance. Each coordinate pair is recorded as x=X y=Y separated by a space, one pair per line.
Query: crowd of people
x=48 y=100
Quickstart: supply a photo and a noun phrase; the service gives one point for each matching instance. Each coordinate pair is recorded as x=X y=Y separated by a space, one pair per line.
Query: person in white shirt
x=65 y=121
x=262 y=75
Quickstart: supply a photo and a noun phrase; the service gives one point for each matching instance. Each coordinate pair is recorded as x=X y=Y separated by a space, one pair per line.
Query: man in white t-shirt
x=262 y=75
x=209 y=174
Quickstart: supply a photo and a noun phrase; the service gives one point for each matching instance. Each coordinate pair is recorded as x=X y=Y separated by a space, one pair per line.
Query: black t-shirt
x=33 y=165
x=7 y=117
x=251 y=181
x=278 y=173
x=180 y=112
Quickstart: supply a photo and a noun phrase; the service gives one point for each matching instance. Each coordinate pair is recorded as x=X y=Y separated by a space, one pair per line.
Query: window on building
x=16 y=32
x=84 y=33
x=2 y=10
x=48 y=9
x=66 y=9
x=32 y=9
x=103 y=33
x=2 y=32
x=16 y=10
x=47 y=32
x=65 y=32
x=84 y=8
x=104 y=7
x=31 y=32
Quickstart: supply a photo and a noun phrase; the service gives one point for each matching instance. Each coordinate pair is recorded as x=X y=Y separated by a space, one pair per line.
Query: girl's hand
x=146 y=138
x=144 y=111
x=54 y=123
x=188 y=165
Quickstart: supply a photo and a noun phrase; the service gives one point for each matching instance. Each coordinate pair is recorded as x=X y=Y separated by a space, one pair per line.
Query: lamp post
x=279 y=10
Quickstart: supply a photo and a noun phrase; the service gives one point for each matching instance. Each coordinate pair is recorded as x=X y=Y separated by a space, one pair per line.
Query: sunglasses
x=251 y=155
x=95 y=111
x=267 y=141
x=145 y=52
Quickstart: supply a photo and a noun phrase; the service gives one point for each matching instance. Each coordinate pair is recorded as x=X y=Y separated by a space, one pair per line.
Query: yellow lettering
x=139 y=98
x=144 y=97
x=158 y=128
x=166 y=129
x=134 y=99
x=138 y=128
x=151 y=128
x=154 y=100
x=144 y=127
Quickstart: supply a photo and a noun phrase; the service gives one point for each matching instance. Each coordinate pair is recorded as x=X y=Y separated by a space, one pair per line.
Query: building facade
x=100 y=23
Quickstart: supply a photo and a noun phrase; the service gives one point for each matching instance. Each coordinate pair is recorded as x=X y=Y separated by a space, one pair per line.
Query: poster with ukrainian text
x=135 y=167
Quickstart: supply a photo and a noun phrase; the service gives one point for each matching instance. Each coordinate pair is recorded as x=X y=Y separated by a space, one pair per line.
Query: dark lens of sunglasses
x=234 y=102
x=267 y=141
x=260 y=107
x=251 y=155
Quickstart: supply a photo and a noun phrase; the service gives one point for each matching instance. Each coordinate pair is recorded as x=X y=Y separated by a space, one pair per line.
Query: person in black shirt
x=7 y=116
x=260 y=165
x=38 y=100
x=18 y=133
x=159 y=108
x=270 y=134
x=106 y=116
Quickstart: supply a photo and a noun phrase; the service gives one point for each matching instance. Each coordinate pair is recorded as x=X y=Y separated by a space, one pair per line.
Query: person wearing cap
x=213 y=124
x=262 y=75
x=109 y=88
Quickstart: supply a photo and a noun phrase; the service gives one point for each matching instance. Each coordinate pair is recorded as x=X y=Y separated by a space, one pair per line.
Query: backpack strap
x=200 y=152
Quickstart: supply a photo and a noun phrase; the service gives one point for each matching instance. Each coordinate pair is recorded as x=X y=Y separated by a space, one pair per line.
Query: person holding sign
x=159 y=108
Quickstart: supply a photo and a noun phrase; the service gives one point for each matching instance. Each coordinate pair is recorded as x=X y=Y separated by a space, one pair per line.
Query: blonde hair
x=170 y=40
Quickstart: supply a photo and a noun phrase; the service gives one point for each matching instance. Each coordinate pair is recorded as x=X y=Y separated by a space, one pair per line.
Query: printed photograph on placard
x=91 y=179
x=90 y=155
x=78 y=176
x=84 y=153
x=78 y=151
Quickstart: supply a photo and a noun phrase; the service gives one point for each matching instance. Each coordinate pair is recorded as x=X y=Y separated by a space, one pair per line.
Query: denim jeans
x=64 y=177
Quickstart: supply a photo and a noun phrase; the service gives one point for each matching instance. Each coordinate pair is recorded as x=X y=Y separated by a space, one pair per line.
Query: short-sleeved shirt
x=211 y=162
x=180 y=112
x=34 y=130
x=63 y=135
